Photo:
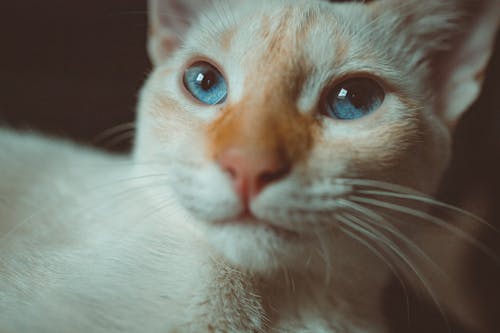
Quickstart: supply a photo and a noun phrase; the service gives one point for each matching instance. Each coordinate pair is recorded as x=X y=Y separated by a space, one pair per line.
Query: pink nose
x=251 y=172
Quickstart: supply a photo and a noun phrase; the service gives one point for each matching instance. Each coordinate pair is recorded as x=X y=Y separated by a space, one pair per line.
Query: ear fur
x=453 y=39
x=464 y=68
x=169 y=20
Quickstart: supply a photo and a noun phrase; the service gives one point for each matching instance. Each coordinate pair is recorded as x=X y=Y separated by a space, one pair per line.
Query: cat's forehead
x=279 y=25
x=283 y=45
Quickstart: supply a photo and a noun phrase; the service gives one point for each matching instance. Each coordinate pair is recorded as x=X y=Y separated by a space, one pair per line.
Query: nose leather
x=252 y=171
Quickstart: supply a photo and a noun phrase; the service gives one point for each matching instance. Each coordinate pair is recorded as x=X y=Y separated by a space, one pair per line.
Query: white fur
x=91 y=242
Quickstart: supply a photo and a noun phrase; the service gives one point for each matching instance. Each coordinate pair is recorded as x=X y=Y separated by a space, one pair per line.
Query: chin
x=257 y=248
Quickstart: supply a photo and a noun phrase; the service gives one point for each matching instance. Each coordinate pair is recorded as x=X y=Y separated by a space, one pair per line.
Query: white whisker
x=433 y=202
x=378 y=254
x=430 y=218
x=4 y=237
x=157 y=176
x=119 y=139
x=325 y=255
x=381 y=221
x=379 y=185
x=377 y=236
x=111 y=132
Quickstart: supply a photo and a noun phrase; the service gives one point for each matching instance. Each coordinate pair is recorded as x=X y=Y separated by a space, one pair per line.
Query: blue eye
x=354 y=98
x=205 y=83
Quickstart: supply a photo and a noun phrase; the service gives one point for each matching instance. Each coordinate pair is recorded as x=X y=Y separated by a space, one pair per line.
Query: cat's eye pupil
x=359 y=99
x=354 y=98
x=206 y=80
x=205 y=83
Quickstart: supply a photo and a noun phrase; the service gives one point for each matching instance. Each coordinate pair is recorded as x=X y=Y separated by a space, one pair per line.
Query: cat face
x=272 y=113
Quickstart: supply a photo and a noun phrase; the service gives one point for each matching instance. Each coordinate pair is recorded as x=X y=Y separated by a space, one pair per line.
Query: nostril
x=251 y=171
x=231 y=171
x=232 y=164
x=270 y=176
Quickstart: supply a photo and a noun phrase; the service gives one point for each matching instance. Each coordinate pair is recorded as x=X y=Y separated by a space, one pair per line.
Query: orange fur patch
x=272 y=126
x=342 y=51
x=266 y=120
x=226 y=39
x=265 y=27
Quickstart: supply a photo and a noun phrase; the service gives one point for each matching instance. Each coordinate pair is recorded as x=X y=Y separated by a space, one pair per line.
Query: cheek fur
x=373 y=152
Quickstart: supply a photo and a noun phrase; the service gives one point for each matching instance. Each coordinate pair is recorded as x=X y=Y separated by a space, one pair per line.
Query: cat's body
x=173 y=239
x=126 y=265
x=93 y=269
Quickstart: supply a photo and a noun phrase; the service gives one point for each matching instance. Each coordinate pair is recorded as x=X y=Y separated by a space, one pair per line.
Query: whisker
x=288 y=279
x=377 y=236
x=158 y=176
x=379 y=255
x=4 y=237
x=379 y=185
x=430 y=218
x=107 y=134
x=384 y=224
x=325 y=255
x=161 y=207
x=127 y=162
x=119 y=139
x=433 y=202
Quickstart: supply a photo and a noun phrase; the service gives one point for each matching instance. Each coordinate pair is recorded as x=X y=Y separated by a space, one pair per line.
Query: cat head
x=268 y=116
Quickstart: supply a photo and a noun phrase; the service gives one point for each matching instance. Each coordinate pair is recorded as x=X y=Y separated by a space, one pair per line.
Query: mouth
x=255 y=244
x=248 y=219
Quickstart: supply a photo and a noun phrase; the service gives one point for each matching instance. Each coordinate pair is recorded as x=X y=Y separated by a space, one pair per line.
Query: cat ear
x=462 y=69
x=454 y=38
x=169 y=20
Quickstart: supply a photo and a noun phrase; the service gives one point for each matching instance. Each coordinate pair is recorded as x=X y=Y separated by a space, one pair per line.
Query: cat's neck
x=298 y=294
x=311 y=296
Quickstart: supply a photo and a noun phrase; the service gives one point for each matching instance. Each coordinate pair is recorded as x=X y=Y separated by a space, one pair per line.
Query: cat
x=281 y=175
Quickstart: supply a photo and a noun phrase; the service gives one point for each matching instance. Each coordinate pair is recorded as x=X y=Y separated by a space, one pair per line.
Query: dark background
x=73 y=69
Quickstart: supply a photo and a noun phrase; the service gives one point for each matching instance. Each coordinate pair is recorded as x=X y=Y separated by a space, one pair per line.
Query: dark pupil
x=206 y=80
x=358 y=95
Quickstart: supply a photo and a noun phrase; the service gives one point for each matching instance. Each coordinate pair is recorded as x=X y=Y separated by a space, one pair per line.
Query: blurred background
x=74 y=68
x=71 y=68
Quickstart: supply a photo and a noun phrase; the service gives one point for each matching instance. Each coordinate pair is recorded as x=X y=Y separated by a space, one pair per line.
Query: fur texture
x=162 y=242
